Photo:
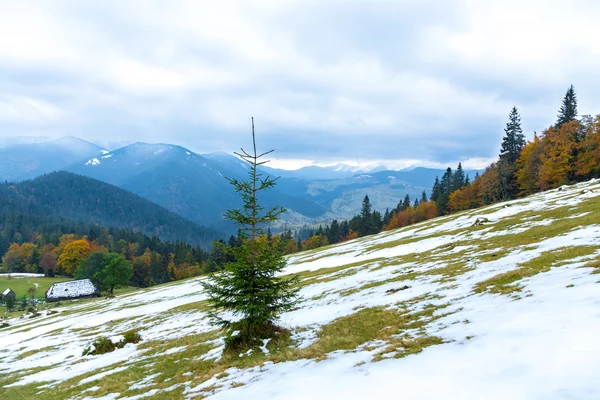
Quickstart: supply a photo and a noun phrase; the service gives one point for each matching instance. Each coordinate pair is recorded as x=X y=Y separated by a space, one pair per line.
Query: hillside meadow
x=498 y=302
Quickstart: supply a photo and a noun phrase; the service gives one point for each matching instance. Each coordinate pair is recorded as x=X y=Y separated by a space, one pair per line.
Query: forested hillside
x=26 y=206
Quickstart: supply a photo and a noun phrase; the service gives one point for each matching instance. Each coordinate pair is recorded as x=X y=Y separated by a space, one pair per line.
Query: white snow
x=542 y=345
x=93 y=161
x=22 y=275
x=107 y=156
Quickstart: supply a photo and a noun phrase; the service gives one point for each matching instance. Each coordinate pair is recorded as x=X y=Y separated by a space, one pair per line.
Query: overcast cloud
x=362 y=81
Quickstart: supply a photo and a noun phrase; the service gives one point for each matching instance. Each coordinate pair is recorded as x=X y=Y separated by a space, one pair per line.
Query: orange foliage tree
x=588 y=160
x=528 y=166
x=558 y=158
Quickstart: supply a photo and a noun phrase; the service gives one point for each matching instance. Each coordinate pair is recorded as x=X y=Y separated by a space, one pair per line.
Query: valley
x=194 y=186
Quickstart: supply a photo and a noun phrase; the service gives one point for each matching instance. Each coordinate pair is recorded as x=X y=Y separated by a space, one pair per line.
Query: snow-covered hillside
x=501 y=302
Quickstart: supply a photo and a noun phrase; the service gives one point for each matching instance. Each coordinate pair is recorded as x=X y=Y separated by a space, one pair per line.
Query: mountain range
x=195 y=186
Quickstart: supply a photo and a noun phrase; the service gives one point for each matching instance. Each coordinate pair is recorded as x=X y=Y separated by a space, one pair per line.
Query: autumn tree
x=250 y=289
x=48 y=263
x=588 y=159
x=73 y=254
x=528 y=166
x=568 y=108
x=314 y=242
x=560 y=153
x=12 y=259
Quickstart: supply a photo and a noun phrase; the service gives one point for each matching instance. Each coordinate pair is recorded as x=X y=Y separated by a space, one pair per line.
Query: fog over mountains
x=195 y=186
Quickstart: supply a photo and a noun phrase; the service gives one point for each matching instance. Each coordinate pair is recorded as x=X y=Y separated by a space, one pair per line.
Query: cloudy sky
x=398 y=81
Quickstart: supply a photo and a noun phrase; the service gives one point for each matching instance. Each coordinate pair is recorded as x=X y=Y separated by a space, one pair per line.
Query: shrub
x=4 y=325
x=101 y=345
x=104 y=345
x=131 y=337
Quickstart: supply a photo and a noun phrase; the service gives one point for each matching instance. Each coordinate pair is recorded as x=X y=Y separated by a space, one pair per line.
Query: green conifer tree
x=435 y=191
x=366 y=223
x=568 y=109
x=514 y=140
x=406 y=202
x=250 y=288
x=458 y=178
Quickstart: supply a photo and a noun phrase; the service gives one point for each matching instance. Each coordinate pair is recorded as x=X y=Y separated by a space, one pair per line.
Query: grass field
x=20 y=285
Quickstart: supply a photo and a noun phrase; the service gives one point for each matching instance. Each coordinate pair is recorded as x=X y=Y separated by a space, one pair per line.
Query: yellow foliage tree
x=73 y=254
x=528 y=166
x=314 y=242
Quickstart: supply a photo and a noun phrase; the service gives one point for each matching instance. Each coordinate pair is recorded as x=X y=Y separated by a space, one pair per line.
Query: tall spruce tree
x=249 y=288
x=512 y=145
x=568 y=109
x=445 y=187
x=365 y=222
x=458 y=178
x=406 y=202
x=435 y=191
x=514 y=140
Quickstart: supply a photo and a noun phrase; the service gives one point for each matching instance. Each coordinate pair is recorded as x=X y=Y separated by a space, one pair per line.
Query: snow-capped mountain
x=191 y=185
x=30 y=158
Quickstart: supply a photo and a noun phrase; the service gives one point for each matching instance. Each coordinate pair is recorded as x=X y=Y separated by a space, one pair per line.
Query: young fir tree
x=514 y=140
x=568 y=109
x=249 y=288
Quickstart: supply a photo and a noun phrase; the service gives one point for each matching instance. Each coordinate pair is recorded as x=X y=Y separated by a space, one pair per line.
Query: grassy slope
x=20 y=285
x=355 y=298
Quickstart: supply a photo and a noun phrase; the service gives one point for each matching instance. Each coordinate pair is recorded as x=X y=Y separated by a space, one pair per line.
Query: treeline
x=44 y=245
x=369 y=222
x=564 y=153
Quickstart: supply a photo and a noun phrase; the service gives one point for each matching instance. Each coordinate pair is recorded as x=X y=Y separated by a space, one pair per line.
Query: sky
x=362 y=82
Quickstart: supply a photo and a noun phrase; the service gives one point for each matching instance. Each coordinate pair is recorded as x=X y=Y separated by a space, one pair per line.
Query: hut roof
x=71 y=290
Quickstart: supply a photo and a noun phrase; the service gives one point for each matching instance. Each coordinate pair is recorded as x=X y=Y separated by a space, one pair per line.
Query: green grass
x=504 y=283
x=20 y=285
